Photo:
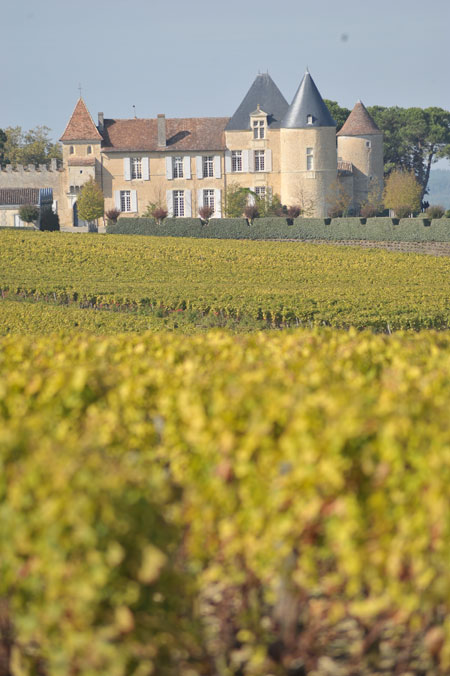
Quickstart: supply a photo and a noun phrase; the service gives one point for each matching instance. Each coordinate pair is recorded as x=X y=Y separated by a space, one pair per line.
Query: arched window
x=71 y=150
x=89 y=150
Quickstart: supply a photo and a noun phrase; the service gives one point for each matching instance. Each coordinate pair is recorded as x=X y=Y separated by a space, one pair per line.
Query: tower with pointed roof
x=81 y=145
x=308 y=160
x=360 y=142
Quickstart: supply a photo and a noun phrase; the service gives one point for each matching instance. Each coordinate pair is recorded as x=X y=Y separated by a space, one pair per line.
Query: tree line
x=413 y=138
x=28 y=147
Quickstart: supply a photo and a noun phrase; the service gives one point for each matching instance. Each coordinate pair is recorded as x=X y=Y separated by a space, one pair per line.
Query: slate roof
x=359 y=122
x=196 y=133
x=307 y=101
x=19 y=196
x=264 y=92
x=81 y=126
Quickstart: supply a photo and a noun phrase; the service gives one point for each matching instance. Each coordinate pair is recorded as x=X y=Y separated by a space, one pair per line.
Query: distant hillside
x=439 y=187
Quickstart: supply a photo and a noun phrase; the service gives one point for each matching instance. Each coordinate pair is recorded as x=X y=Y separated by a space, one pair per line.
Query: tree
x=28 y=213
x=91 y=204
x=414 y=138
x=402 y=193
x=2 y=146
x=236 y=200
x=373 y=205
x=337 y=113
x=30 y=147
x=338 y=200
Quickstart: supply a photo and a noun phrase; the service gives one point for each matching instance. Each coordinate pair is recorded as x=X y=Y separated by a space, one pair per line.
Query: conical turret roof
x=359 y=122
x=264 y=92
x=81 y=126
x=307 y=102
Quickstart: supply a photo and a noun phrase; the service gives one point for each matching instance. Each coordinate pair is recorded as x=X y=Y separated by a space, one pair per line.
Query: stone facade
x=269 y=146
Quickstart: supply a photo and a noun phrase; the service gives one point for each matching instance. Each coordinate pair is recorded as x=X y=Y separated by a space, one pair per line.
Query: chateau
x=267 y=145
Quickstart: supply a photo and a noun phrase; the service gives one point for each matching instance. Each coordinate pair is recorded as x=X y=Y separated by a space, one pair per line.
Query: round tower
x=308 y=161
x=360 y=142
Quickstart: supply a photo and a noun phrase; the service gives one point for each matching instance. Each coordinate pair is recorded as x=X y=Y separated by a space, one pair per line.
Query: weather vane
x=79 y=88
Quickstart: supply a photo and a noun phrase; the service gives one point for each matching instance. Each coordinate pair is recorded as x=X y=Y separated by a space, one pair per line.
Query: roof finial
x=307 y=70
x=134 y=111
x=79 y=89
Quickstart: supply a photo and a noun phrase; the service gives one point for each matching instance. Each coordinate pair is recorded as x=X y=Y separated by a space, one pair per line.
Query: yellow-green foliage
x=402 y=192
x=298 y=471
x=281 y=282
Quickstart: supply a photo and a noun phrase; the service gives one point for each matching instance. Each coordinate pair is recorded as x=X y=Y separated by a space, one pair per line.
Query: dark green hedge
x=374 y=229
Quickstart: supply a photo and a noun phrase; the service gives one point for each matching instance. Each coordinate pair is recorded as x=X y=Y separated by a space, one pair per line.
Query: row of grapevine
x=283 y=284
x=217 y=504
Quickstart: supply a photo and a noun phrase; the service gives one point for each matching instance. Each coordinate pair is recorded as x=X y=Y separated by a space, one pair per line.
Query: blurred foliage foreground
x=225 y=505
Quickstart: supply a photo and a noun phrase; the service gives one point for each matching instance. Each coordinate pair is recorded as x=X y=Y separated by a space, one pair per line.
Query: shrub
x=159 y=214
x=435 y=211
x=90 y=202
x=49 y=220
x=251 y=212
x=205 y=213
x=112 y=215
x=368 y=211
x=28 y=213
x=294 y=211
x=403 y=211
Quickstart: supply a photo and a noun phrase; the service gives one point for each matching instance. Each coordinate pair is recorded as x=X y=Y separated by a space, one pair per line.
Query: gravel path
x=430 y=248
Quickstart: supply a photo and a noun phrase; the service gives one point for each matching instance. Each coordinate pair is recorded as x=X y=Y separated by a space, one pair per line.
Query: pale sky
x=199 y=57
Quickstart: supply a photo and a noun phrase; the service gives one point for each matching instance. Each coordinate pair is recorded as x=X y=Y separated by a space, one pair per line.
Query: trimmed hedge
x=371 y=229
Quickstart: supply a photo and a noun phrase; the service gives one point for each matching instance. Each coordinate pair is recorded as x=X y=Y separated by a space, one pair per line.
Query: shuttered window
x=178 y=203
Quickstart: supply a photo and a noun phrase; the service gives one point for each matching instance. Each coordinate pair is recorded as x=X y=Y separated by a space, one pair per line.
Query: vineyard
x=282 y=284
x=225 y=503
x=180 y=501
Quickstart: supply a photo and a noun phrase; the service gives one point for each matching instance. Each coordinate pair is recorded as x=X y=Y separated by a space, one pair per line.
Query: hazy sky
x=199 y=57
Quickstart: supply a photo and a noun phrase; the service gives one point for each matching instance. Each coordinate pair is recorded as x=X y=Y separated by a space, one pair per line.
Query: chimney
x=101 y=123
x=161 y=131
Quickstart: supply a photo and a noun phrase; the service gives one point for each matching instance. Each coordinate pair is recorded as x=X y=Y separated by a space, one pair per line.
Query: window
x=309 y=159
x=236 y=160
x=136 y=167
x=259 y=160
x=178 y=168
x=261 y=192
x=258 y=129
x=178 y=201
x=208 y=199
x=125 y=200
x=71 y=150
x=89 y=150
x=309 y=119
x=208 y=166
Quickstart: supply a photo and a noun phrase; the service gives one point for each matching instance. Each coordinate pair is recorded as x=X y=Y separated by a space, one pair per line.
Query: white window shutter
x=245 y=161
x=268 y=160
x=228 y=161
x=133 y=200
x=127 y=168
x=188 y=203
x=218 y=203
x=145 y=169
x=169 y=201
x=251 y=198
x=217 y=167
x=169 y=168
x=199 y=166
x=251 y=160
x=187 y=167
x=117 y=200
x=199 y=199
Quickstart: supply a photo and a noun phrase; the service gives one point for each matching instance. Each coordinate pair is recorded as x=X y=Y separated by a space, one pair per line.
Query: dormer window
x=71 y=150
x=309 y=119
x=259 y=128
x=89 y=150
